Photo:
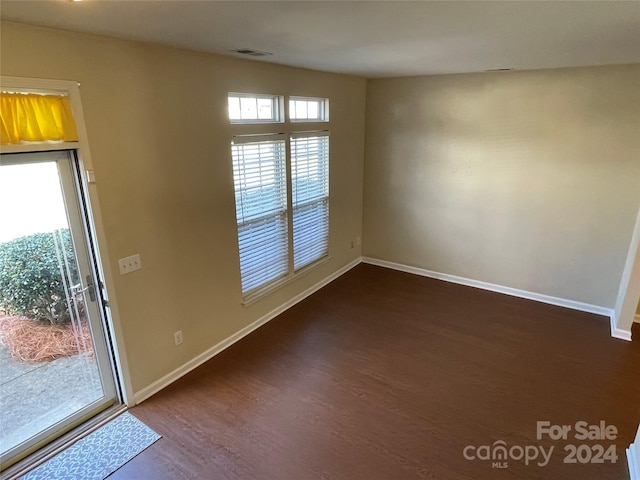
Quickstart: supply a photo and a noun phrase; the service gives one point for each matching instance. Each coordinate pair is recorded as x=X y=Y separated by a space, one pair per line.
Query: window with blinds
x=310 y=197
x=259 y=174
x=282 y=193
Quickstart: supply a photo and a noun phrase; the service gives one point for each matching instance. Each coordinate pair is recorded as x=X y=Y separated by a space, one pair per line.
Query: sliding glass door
x=55 y=366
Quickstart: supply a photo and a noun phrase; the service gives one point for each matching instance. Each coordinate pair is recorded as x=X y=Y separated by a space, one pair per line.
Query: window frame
x=95 y=224
x=241 y=134
x=259 y=220
x=277 y=108
x=323 y=109
x=324 y=145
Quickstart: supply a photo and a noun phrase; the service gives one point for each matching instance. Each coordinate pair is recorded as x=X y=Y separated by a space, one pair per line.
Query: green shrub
x=32 y=270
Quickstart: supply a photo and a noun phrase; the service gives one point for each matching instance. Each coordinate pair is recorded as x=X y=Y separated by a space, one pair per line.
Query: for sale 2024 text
x=591 y=449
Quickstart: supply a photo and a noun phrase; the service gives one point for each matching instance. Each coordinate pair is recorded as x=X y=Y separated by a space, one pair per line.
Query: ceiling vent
x=251 y=53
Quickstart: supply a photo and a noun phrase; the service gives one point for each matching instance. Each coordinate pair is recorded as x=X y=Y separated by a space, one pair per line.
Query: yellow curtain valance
x=29 y=117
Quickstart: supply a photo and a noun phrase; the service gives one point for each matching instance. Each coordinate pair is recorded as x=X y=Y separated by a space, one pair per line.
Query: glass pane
x=309 y=168
x=259 y=179
x=310 y=233
x=261 y=211
x=48 y=369
x=263 y=251
x=309 y=109
x=301 y=109
x=234 y=108
x=313 y=110
x=248 y=108
x=265 y=109
x=292 y=110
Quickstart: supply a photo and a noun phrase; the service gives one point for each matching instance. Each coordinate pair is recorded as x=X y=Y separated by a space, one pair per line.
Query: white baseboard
x=560 y=302
x=634 y=463
x=619 y=332
x=171 y=377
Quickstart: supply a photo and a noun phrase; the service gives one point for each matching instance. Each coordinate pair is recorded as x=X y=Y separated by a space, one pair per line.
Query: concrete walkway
x=35 y=396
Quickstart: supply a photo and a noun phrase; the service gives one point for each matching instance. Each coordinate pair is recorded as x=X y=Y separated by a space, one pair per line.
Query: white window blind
x=259 y=173
x=310 y=196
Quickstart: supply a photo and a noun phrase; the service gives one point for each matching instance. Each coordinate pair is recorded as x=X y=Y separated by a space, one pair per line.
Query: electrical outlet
x=353 y=243
x=177 y=337
x=357 y=241
x=130 y=264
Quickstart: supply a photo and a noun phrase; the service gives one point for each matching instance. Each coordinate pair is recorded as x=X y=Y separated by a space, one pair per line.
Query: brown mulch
x=34 y=342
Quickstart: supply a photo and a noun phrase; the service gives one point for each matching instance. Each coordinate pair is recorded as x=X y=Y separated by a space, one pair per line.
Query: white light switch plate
x=129 y=264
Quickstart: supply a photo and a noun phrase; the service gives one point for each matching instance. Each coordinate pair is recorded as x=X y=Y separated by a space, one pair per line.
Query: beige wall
x=159 y=139
x=529 y=180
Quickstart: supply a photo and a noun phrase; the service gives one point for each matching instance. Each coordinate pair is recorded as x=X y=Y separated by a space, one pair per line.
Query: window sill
x=256 y=295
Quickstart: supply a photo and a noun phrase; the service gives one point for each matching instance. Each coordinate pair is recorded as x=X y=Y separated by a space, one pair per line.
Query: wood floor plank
x=387 y=375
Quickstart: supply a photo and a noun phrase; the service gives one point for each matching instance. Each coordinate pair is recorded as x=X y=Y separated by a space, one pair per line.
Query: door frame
x=89 y=199
x=65 y=162
x=629 y=292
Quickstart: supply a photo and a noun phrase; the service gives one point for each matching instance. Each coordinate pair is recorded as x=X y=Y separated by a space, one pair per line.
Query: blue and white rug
x=98 y=454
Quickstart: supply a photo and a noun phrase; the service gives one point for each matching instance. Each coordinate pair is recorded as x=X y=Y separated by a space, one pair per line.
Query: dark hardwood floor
x=386 y=375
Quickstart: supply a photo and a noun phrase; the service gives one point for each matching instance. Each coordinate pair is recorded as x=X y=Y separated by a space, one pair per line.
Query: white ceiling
x=367 y=38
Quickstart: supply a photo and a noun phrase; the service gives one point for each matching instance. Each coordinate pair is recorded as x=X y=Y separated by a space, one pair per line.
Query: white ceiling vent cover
x=251 y=52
